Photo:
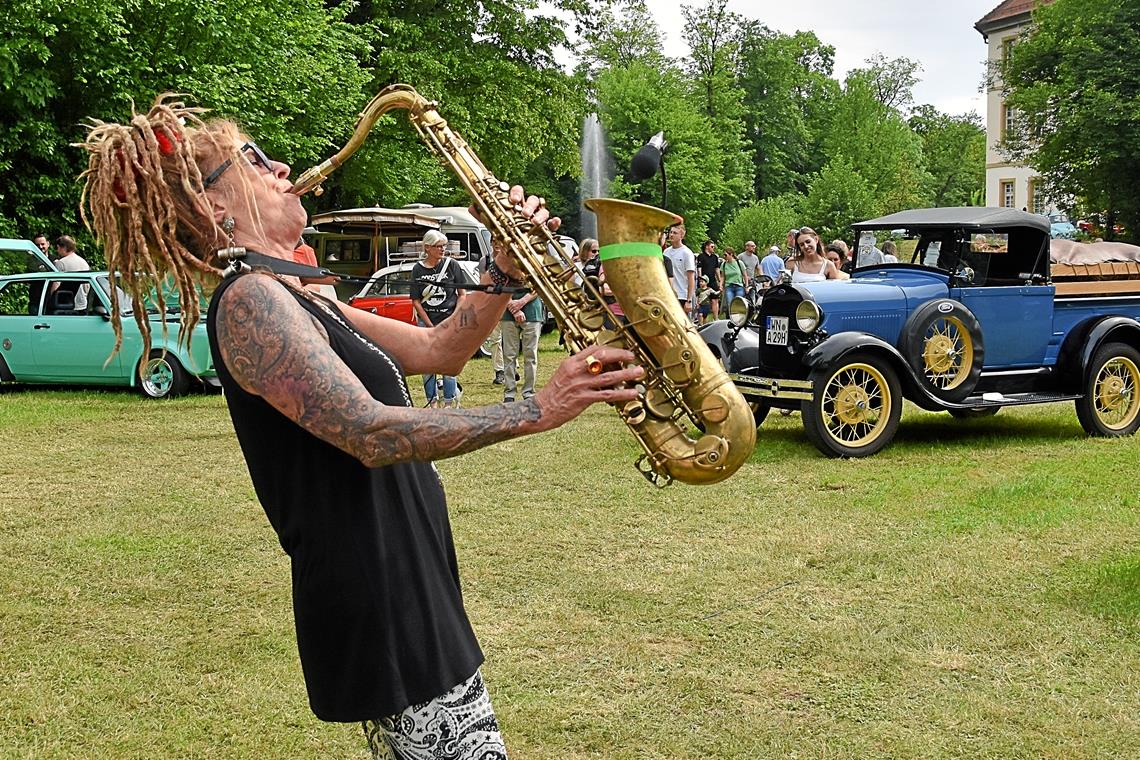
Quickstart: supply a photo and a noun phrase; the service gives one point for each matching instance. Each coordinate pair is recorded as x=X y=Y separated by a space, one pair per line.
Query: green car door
x=19 y=306
x=73 y=346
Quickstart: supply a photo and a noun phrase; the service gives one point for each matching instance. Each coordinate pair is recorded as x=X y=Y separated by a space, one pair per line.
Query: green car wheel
x=161 y=376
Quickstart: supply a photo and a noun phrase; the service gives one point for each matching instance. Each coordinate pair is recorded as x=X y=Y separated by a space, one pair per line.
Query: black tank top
x=376 y=597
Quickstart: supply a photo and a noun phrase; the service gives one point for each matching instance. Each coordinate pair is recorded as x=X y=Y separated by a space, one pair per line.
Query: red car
x=386 y=294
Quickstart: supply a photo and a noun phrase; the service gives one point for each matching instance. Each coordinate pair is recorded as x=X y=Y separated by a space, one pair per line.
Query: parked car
x=387 y=294
x=970 y=324
x=20 y=256
x=1060 y=227
x=45 y=339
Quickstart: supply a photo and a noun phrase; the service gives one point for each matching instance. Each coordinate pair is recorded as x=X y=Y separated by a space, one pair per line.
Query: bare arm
x=444 y=348
x=276 y=350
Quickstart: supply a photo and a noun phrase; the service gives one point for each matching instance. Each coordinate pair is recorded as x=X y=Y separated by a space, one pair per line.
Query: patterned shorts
x=459 y=725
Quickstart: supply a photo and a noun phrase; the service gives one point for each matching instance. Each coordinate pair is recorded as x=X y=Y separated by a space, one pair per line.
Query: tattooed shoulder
x=256 y=319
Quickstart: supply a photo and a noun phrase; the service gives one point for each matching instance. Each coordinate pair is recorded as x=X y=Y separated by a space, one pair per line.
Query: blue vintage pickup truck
x=972 y=322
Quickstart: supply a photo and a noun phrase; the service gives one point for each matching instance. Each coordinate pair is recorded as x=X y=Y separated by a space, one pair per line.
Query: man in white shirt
x=70 y=261
x=684 y=268
x=749 y=260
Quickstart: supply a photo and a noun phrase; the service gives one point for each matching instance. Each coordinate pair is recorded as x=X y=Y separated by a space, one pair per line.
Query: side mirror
x=101 y=310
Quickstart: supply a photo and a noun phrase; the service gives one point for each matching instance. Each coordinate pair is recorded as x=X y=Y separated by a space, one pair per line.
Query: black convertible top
x=959 y=217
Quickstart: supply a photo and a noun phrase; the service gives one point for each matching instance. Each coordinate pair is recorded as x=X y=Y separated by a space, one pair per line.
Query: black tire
x=162 y=376
x=1110 y=406
x=974 y=413
x=484 y=350
x=856 y=407
x=942 y=342
x=760 y=411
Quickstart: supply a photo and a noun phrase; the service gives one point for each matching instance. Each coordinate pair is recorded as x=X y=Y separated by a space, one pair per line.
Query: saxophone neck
x=397 y=96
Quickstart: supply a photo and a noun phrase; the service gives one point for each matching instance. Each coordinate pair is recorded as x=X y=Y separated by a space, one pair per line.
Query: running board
x=984 y=400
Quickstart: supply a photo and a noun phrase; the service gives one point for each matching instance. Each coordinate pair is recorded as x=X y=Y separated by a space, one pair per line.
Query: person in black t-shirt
x=708 y=265
x=340 y=459
x=434 y=303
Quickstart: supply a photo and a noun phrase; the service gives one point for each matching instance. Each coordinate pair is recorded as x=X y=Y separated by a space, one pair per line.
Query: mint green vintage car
x=55 y=328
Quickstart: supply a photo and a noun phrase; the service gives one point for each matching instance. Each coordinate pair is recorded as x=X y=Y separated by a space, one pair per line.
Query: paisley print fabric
x=459 y=725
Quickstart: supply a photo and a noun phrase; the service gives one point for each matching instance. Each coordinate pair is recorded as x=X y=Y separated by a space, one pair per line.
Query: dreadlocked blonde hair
x=149 y=210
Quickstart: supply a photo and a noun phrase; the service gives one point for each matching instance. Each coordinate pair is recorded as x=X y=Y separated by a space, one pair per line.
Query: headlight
x=808 y=316
x=738 y=311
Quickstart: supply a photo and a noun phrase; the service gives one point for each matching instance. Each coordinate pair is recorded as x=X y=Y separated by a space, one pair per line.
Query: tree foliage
x=955 y=151
x=1075 y=84
x=788 y=91
x=766 y=222
x=286 y=69
x=875 y=142
x=294 y=73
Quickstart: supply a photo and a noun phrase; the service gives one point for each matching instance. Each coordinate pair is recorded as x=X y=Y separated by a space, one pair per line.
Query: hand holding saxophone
x=597 y=374
x=530 y=206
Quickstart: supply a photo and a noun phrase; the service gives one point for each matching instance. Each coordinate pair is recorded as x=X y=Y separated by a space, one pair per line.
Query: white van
x=361 y=241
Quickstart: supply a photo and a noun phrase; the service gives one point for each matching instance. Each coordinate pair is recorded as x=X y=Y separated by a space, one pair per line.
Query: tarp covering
x=1072 y=252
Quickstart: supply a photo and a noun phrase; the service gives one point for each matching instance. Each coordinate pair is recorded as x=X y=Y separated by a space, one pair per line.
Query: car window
x=20 y=298
x=126 y=304
x=350 y=249
x=19 y=262
x=69 y=298
x=400 y=283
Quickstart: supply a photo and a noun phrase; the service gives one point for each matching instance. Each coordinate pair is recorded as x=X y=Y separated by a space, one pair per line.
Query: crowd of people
x=705 y=283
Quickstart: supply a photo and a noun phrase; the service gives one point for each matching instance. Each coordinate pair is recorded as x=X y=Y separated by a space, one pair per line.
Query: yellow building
x=1008 y=184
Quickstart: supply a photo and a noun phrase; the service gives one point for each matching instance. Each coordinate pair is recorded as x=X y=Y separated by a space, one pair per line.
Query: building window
x=1007 y=187
x=1036 y=199
x=1007 y=116
x=1006 y=47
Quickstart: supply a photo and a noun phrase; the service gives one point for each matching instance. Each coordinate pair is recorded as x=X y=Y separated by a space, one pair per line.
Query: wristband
x=501 y=278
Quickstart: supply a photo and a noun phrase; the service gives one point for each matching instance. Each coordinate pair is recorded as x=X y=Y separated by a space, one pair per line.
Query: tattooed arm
x=444 y=348
x=276 y=350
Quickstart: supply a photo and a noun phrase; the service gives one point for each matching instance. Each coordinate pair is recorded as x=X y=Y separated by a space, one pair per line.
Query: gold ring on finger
x=593 y=365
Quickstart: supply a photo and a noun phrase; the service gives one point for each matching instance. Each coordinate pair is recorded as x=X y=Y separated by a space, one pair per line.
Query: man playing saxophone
x=340 y=459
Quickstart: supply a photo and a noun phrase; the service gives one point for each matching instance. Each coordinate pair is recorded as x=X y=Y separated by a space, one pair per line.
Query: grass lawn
x=972 y=591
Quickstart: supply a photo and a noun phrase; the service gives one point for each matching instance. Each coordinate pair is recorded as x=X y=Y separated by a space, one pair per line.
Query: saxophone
x=682 y=381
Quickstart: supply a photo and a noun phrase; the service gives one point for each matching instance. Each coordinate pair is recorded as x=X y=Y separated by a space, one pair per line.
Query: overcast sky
x=939 y=34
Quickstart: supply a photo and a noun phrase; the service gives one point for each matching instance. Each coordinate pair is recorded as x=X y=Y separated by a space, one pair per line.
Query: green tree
x=766 y=222
x=624 y=33
x=285 y=68
x=638 y=100
x=892 y=80
x=788 y=93
x=955 y=151
x=839 y=196
x=1075 y=85
x=874 y=142
x=713 y=35
x=492 y=68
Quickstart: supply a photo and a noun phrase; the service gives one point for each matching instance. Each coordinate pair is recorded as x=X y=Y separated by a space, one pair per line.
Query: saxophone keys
x=680 y=364
x=710 y=450
x=658 y=404
x=714 y=408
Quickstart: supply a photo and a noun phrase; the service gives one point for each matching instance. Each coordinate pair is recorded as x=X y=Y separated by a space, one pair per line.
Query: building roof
x=1008 y=13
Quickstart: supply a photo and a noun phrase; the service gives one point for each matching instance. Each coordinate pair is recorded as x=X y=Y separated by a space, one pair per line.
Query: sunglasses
x=257 y=159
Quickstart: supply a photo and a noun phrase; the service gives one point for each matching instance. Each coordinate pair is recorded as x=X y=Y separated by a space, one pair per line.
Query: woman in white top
x=809 y=265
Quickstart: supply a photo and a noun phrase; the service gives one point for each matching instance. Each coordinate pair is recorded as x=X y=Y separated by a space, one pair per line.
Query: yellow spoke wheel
x=1111 y=404
x=947 y=353
x=942 y=345
x=856 y=407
